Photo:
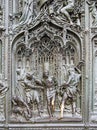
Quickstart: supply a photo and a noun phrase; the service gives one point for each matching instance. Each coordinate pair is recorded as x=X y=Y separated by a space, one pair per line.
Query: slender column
x=87 y=66
x=6 y=53
x=14 y=8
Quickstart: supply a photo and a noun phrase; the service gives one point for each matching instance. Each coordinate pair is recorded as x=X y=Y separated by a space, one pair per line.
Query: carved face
x=71 y=71
x=18 y=71
x=29 y=76
x=46 y=74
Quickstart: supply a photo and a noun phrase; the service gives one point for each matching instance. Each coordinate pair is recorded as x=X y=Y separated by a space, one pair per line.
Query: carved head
x=29 y=76
x=18 y=71
x=71 y=70
x=45 y=74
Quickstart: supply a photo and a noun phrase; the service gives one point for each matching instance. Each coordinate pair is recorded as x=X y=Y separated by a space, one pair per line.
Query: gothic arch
x=75 y=41
x=15 y=39
x=79 y=44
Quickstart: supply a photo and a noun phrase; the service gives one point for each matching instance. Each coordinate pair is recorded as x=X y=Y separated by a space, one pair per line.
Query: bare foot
x=50 y=119
x=60 y=118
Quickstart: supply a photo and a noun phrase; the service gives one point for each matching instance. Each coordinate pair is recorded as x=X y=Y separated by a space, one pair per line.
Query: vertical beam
x=87 y=66
x=6 y=22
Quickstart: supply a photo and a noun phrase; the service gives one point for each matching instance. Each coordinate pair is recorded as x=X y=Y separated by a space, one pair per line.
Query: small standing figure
x=93 y=10
x=20 y=78
x=27 y=12
x=68 y=8
x=3 y=90
x=26 y=17
x=32 y=91
x=70 y=88
x=50 y=83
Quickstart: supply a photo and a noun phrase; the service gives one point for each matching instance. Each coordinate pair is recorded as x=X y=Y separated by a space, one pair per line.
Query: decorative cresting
x=46 y=74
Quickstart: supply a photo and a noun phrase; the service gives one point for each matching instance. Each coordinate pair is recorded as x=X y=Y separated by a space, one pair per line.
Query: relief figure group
x=35 y=89
x=27 y=12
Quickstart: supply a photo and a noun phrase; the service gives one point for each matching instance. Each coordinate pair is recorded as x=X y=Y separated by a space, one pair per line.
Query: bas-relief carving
x=42 y=91
x=49 y=83
x=94 y=105
x=47 y=74
x=38 y=95
x=68 y=8
x=93 y=10
x=95 y=84
x=55 y=11
x=70 y=89
x=1 y=18
x=1 y=13
x=3 y=85
x=27 y=13
x=3 y=90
